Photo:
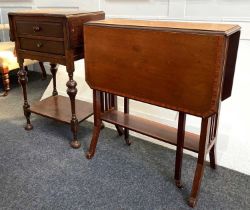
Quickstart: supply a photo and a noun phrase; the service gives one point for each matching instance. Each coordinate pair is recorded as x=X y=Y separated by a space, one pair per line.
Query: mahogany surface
x=58 y=108
x=183 y=58
x=186 y=67
x=53 y=36
x=150 y=128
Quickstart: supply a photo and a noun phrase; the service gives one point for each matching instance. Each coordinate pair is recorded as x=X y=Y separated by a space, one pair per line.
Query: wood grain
x=59 y=108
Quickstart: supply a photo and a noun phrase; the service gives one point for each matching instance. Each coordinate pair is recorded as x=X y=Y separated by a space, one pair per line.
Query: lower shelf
x=149 y=128
x=59 y=108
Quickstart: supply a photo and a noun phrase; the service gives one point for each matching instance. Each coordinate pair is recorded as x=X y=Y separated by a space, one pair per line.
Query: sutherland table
x=55 y=37
x=186 y=67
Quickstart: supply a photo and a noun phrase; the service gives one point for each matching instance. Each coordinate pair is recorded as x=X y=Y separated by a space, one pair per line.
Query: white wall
x=194 y=10
x=233 y=147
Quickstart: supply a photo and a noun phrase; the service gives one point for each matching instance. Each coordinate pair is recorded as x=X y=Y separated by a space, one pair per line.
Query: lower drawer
x=44 y=46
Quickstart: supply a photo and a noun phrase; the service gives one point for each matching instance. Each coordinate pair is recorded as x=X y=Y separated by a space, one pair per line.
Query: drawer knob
x=39 y=44
x=36 y=28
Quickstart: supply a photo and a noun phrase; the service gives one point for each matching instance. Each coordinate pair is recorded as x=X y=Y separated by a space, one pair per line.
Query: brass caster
x=128 y=142
x=75 y=144
x=192 y=202
x=28 y=127
x=178 y=184
x=89 y=155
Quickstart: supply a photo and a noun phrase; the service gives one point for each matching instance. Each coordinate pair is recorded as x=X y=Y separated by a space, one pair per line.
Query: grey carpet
x=39 y=170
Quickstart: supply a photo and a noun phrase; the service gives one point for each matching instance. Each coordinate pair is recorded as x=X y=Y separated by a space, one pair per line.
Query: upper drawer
x=39 y=28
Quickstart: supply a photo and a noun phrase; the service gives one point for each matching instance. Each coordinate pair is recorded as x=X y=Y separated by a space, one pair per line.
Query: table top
x=52 y=12
x=226 y=29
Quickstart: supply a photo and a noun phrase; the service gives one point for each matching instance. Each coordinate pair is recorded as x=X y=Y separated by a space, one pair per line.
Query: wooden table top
x=52 y=12
x=226 y=29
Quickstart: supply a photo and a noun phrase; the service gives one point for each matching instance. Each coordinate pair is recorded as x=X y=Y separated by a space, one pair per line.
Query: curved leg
x=44 y=75
x=22 y=78
x=6 y=81
x=126 y=130
x=200 y=162
x=72 y=91
x=95 y=137
x=53 y=69
x=97 y=103
x=179 y=149
x=119 y=130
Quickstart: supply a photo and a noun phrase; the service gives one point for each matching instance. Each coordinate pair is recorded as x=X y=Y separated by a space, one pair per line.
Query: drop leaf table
x=186 y=67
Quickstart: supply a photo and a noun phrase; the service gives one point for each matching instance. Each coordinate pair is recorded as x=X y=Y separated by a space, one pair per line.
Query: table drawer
x=39 y=29
x=45 y=46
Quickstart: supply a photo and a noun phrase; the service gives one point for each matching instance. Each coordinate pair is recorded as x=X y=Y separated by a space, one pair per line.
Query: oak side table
x=54 y=36
x=185 y=67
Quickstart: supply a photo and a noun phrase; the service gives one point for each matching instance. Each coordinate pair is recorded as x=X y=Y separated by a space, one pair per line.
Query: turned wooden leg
x=53 y=69
x=97 y=123
x=204 y=135
x=179 y=149
x=22 y=78
x=72 y=91
x=6 y=81
x=44 y=75
x=126 y=130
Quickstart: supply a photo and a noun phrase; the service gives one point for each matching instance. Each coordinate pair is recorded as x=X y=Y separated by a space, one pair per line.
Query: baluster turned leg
x=179 y=149
x=204 y=135
x=97 y=123
x=22 y=78
x=126 y=111
x=53 y=69
x=72 y=91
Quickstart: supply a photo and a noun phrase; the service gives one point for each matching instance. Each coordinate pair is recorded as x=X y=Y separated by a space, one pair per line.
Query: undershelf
x=149 y=128
x=59 y=108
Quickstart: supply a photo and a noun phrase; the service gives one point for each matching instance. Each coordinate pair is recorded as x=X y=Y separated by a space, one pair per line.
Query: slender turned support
x=106 y=101
x=126 y=111
x=6 y=81
x=97 y=123
x=102 y=107
x=204 y=136
x=179 y=150
x=44 y=75
x=53 y=69
x=22 y=78
x=212 y=155
x=72 y=91
x=109 y=101
x=113 y=101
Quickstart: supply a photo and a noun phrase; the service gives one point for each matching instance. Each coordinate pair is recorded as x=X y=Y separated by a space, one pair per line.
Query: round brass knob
x=39 y=44
x=36 y=28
